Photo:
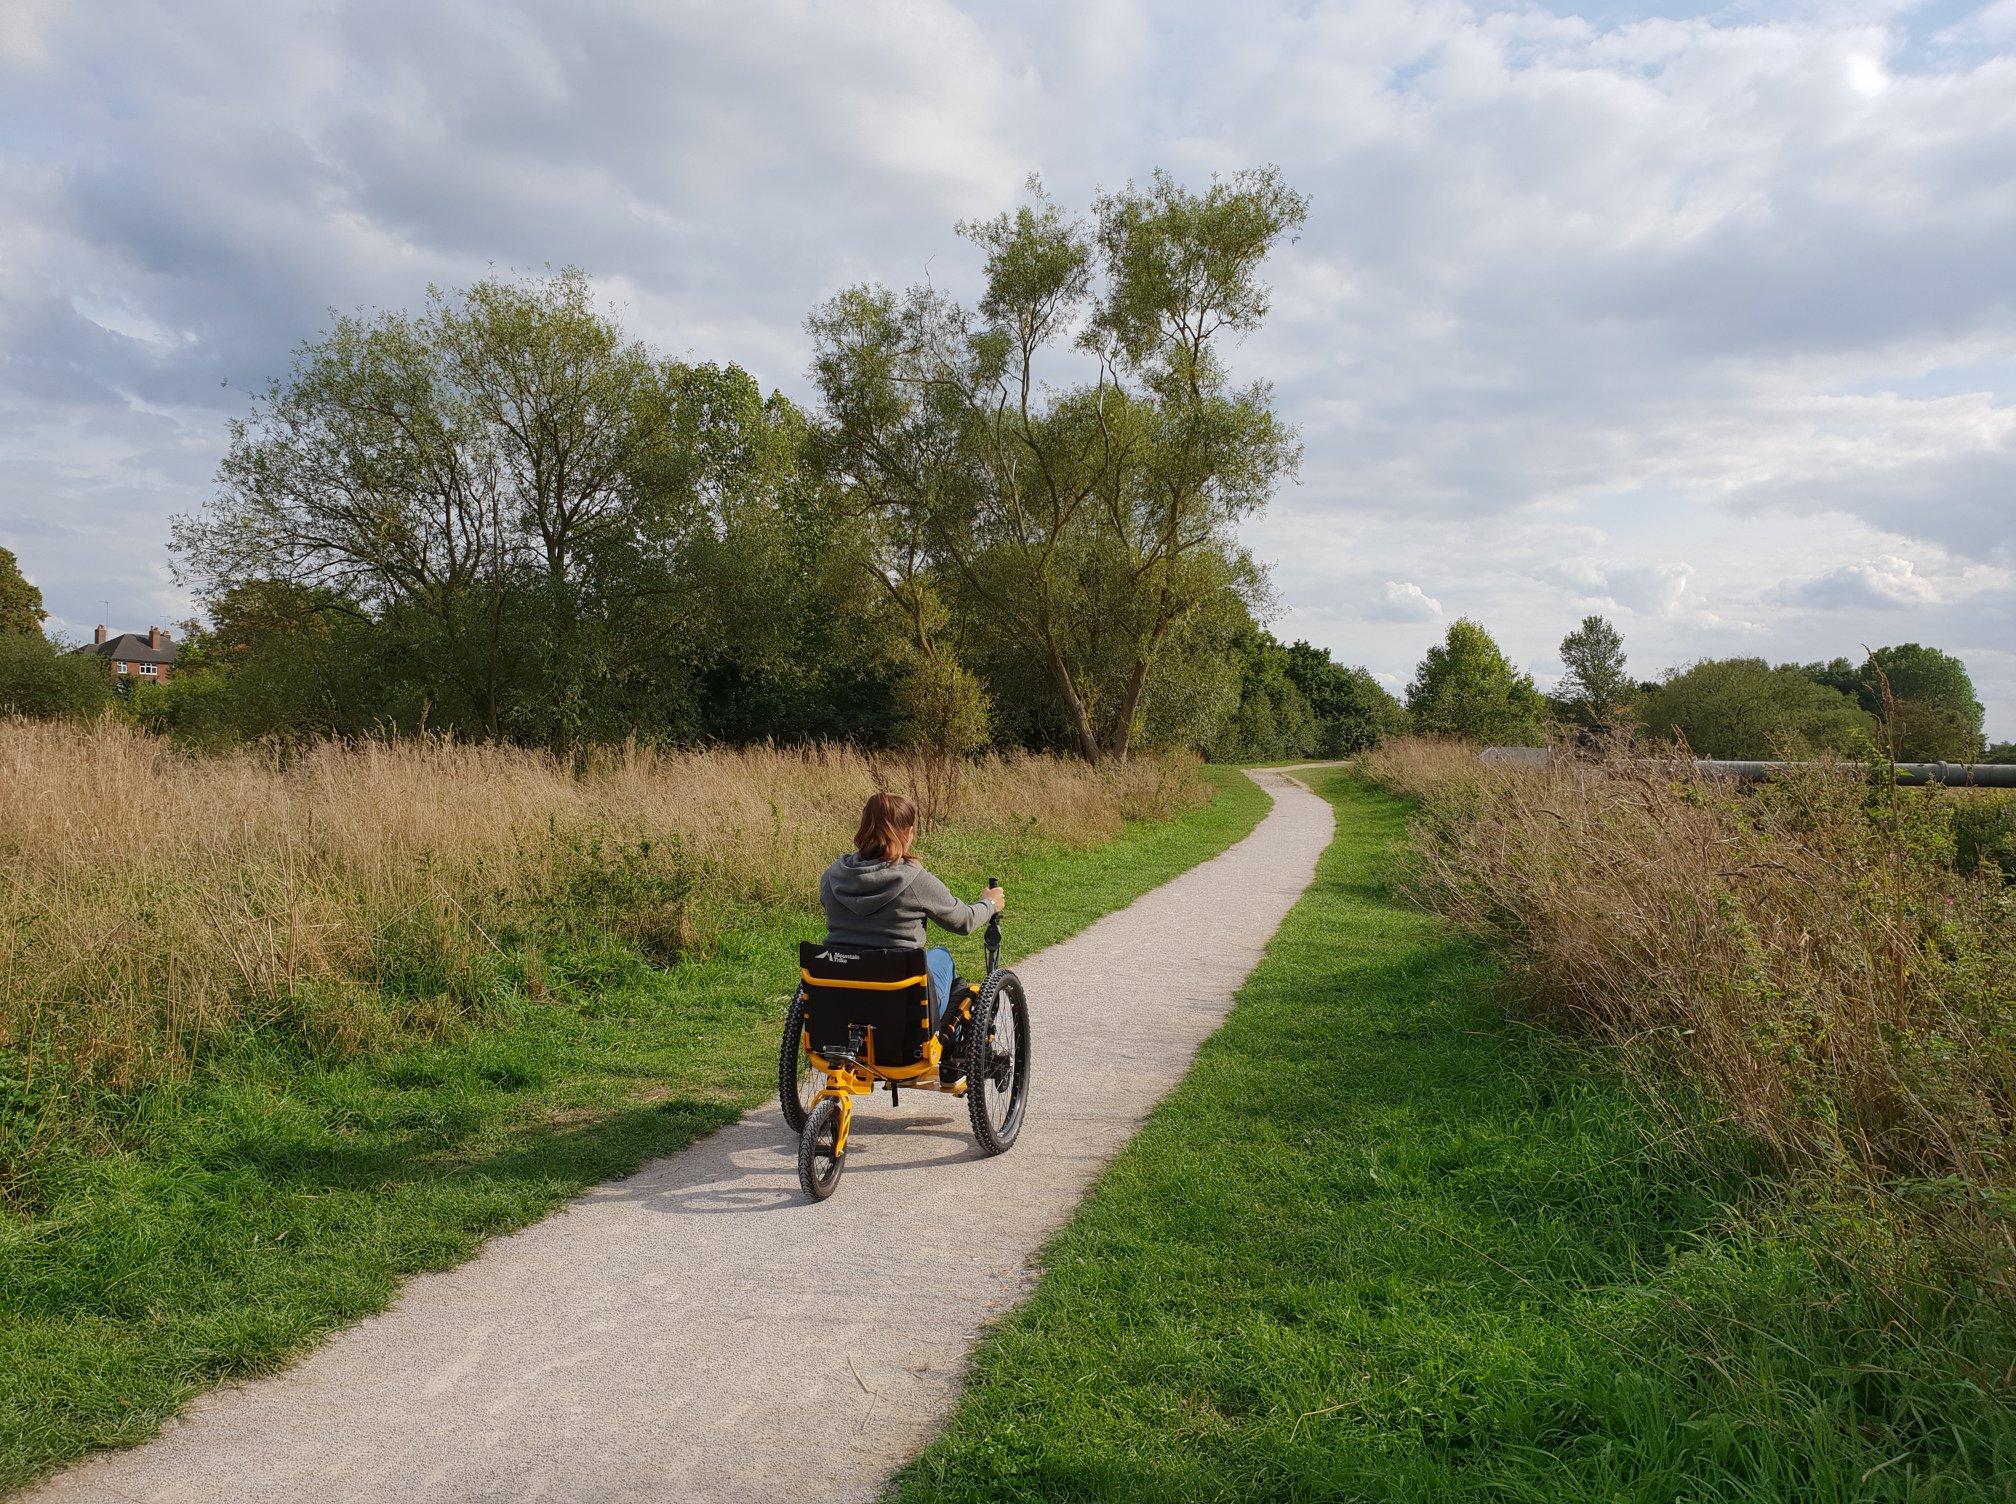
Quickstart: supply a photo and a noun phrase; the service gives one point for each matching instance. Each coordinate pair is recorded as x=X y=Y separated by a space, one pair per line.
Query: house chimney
x=100 y=638
x=154 y=637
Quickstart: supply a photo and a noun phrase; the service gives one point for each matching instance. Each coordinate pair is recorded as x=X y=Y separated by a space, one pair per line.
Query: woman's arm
x=945 y=910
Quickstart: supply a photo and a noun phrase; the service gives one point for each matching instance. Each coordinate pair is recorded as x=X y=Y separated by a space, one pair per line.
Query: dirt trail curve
x=699 y=1331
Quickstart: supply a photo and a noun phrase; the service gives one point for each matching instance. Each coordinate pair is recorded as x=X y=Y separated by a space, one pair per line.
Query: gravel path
x=699 y=1331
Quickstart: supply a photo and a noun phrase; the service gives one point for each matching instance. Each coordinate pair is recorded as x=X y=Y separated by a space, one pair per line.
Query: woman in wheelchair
x=879 y=895
x=875 y=1011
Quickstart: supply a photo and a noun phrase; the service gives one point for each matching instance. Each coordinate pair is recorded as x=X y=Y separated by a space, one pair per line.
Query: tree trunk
x=1130 y=704
x=1088 y=737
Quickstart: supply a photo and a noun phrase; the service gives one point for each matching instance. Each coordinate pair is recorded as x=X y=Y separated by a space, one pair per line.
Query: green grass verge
x=1382 y=1244
x=276 y=1198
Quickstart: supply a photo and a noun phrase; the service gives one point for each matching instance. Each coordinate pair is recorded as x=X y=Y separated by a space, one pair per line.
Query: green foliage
x=1745 y=708
x=1273 y=720
x=1298 y=702
x=1596 y=690
x=1932 y=713
x=940 y=707
x=1928 y=730
x=1984 y=832
x=1467 y=687
x=501 y=517
x=20 y=602
x=1353 y=710
x=2000 y=753
x=39 y=679
x=637 y=891
x=1070 y=531
x=283 y=661
x=1936 y=716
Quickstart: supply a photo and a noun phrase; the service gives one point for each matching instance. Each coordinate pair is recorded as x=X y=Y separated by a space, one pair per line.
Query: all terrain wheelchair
x=861 y=1018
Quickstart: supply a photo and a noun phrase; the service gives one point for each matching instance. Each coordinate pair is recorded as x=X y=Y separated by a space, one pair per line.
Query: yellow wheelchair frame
x=850 y=1077
x=990 y=1069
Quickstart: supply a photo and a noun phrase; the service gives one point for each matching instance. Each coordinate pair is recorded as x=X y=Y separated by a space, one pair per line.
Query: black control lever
x=994 y=934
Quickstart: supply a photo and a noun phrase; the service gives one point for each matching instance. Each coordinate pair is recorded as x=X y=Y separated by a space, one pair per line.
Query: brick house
x=134 y=655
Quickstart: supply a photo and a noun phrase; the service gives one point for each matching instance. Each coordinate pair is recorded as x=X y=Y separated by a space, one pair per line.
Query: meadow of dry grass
x=1811 y=956
x=361 y=893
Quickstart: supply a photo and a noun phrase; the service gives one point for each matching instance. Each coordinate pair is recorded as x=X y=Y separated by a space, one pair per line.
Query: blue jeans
x=938 y=963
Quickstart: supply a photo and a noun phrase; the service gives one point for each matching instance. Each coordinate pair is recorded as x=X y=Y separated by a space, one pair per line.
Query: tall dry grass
x=354 y=894
x=1808 y=953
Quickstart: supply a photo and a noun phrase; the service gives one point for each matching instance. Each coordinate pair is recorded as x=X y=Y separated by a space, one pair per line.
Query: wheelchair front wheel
x=819 y=1159
x=997 y=1062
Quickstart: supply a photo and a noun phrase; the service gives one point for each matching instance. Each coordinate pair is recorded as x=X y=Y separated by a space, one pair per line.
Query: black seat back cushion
x=900 y=1016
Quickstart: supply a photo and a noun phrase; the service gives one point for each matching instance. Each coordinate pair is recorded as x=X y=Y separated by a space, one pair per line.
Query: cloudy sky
x=1700 y=316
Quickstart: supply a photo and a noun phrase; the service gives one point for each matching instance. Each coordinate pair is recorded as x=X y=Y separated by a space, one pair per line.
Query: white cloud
x=1888 y=582
x=1866 y=75
x=1406 y=602
x=1701 y=320
x=23 y=31
x=1893 y=582
x=1665 y=589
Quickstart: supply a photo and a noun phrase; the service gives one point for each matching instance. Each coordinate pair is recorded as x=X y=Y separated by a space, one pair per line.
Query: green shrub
x=1745 y=708
x=1984 y=831
x=39 y=679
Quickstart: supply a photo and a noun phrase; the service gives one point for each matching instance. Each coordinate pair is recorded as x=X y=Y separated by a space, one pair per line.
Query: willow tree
x=564 y=528
x=1066 y=461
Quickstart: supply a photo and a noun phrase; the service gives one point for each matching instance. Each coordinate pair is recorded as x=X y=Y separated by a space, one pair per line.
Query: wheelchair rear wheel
x=997 y=1062
x=797 y=1082
x=819 y=1162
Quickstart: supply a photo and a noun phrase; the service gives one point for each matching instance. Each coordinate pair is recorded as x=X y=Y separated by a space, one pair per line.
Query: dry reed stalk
x=1808 y=950
x=150 y=899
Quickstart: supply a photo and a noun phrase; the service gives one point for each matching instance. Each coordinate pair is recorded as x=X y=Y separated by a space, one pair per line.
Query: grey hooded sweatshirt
x=877 y=903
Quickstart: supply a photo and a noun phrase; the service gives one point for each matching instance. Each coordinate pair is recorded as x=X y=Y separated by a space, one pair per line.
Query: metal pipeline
x=1978 y=775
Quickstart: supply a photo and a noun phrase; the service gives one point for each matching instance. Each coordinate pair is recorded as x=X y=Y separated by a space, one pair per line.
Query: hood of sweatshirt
x=865 y=886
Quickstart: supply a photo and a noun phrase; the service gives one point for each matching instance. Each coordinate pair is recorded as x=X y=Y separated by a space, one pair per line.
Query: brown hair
x=885 y=820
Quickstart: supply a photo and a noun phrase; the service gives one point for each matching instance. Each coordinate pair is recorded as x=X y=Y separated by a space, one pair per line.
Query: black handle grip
x=993 y=882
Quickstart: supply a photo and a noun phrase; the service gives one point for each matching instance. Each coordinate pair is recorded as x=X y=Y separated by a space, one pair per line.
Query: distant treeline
x=1914 y=702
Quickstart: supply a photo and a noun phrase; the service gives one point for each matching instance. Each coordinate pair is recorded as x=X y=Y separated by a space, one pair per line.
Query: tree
x=1083 y=521
x=940 y=718
x=20 y=602
x=1745 y=708
x=1595 y=688
x=283 y=661
x=1843 y=674
x=1467 y=687
x=1353 y=710
x=560 y=534
x=460 y=470
x=1931 y=714
x=1272 y=720
x=1935 y=715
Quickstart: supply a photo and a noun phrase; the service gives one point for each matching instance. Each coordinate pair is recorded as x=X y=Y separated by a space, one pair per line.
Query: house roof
x=131 y=647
